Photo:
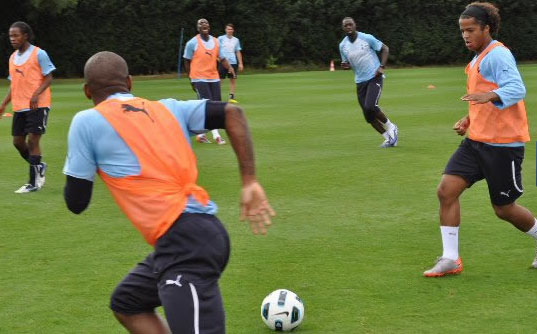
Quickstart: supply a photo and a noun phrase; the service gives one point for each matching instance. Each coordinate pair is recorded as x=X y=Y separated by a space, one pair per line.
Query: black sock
x=35 y=161
x=231 y=96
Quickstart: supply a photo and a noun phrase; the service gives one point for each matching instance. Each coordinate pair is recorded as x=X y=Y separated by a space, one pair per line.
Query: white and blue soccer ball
x=282 y=310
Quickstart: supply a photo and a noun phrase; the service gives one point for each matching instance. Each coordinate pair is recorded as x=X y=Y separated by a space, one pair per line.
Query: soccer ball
x=282 y=310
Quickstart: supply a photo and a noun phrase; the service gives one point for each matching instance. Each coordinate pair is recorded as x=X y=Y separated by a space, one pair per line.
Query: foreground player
x=497 y=129
x=201 y=55
x=30 y=72
x=231 y=46
x=141 y=150
x=359 y=52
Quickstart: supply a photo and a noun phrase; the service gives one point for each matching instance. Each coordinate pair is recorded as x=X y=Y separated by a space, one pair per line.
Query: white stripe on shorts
x=514 y=179
x=195 y=299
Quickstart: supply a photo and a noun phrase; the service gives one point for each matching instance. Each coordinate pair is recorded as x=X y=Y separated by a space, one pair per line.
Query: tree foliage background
x=294 y=32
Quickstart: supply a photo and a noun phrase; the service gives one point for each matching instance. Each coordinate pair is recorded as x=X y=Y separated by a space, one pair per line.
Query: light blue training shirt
x=499 y=66
x=230 y=47
x=94 y=144
x=191 y=47
x=361 y=55
x=42 y=57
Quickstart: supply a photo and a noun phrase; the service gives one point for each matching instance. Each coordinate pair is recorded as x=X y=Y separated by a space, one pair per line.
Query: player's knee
x=503 y=211
x=20 y=145
x=444 y=194
x=369 y=115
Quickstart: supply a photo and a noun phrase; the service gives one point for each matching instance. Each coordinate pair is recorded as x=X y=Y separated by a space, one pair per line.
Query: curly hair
x=492 y=15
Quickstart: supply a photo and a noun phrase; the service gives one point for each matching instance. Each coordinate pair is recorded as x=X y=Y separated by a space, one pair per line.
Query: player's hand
x=462 y=125
x=380 y=71
x=33 y=102
x=345 y=65
x=232 y=72
x=480 y=98
x=241 y=67
x=255 y=207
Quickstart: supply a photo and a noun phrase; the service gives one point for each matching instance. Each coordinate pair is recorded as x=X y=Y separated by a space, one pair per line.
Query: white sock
x=533 y=231
x=215 y=133
x=388 y=125
x=450 y=242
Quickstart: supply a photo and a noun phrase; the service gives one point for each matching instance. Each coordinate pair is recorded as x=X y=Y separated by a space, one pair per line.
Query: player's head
x=230 y=29
x=203 y=26
x=106 y=73
x=478 y=22
x=20 y=33
x=348 y=25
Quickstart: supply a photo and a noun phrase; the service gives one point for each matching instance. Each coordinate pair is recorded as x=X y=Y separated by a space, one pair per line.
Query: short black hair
x=24 y=28
x=230 y=25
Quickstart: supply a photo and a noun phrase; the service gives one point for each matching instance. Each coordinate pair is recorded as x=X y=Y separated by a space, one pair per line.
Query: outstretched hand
x=255 y=208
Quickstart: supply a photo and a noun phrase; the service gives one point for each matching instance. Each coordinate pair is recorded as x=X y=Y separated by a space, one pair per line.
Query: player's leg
x=216 y=94
x=380 y=122
x=461 y=171
x=232 y=83
x=19 y=135
x=503 y=166
x=134 y=301
x=36 y=127
x=18 y=131
x=193 y=255
x=204 y=92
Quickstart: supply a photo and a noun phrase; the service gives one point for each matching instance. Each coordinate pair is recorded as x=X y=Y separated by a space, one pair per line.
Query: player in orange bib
x=496 y=128
x=30 y=72
x=202 y=52
x=141 y=150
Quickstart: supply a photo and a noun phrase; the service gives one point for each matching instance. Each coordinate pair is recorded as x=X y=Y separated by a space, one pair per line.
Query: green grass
x=356 y=225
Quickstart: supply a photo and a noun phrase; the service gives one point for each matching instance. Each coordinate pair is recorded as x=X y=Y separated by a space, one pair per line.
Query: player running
x=496 y=128
x=359 y=52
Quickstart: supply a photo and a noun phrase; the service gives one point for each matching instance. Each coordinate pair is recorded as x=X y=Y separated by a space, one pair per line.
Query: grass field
x=356 y=226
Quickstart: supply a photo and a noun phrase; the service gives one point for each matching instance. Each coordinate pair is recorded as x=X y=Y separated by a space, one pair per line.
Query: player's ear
x=129 y=82
x=87 y=91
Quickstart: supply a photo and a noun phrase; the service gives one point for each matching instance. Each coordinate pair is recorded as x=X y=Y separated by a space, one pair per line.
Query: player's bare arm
x=384 y=53
x=187 y=70
x=239 y=58
x=6 y=101
x=254 y=205
x=480 y=98
x=46 y=83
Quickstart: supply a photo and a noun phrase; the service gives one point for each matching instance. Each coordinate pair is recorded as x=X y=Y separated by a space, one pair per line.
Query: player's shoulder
x=87 y=117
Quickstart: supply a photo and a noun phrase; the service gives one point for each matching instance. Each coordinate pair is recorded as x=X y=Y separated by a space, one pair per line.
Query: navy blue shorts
x=181 y=275
x=30 y=121
x=208 y=90
x=500 y=166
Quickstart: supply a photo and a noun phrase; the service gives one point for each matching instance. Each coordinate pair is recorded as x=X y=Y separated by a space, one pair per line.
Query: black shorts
x=181 y=275
x=500 y=166
x=223 y=72
x=368 y=96
x=208 y=90
x=30 y=121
